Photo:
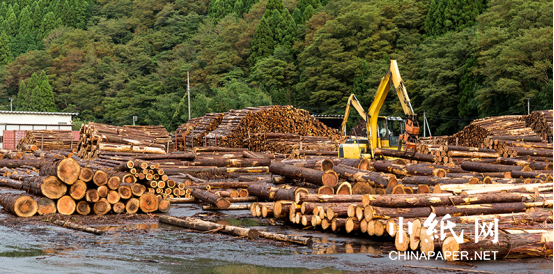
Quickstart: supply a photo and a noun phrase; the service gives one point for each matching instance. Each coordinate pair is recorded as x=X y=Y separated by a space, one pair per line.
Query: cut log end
x=148 y=203
x=83 y=208
x=101 y=207
x=132 y=206
x=24 y=206
x=66 y=205
x=164 y=205
x=450 y=246
x=330 y=178
x=68 y=170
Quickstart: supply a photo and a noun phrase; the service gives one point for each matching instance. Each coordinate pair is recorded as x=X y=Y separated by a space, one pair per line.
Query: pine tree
x=48 y=24
x=26 y=24
x=11 y=21
x=46 y=94
x=33 y=81
x=239 y=8
x=22 y=99
x=275 y=5
x=262 y=43
x=5 y=52
x=16 y=9
x=36 y=102
x=308 y=13
x=297 y=16
x=248 y=4
x=37 y=16
x=3 y=9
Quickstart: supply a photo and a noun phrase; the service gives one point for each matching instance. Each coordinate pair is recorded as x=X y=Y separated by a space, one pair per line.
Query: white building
x=31 y=120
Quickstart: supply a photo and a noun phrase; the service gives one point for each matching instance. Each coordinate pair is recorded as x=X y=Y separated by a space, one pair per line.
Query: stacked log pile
x=540 y=121
x=475 y=133
x=65 y=186
x=238 y=125
x=159 y=132
x=95 y=138
x=184 y=130
x=205 y=125
x=231 y=123
x=47 y=140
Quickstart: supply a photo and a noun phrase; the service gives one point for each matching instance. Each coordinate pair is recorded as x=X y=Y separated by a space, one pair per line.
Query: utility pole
x=424 y=123
x=11 y=101
x=528 y=107
x=134 y=119
x=188 y=91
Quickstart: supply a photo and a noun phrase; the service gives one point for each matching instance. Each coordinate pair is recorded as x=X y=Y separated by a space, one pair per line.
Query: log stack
x=230 y=123
x=159 y=132
x=239 y=125
x=47 y=140
x=184 y=130
x=540 y=121
x=95 y=137
x=66 y=187
x=205 y=125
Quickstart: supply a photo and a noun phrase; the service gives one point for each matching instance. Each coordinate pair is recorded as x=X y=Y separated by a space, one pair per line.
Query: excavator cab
x=389 y=131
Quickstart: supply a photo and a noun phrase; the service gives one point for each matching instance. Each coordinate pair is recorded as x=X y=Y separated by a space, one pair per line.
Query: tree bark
x=21 y=205
x=67 y=170
x=318 y=177
x=66 y=205
x=406 y=155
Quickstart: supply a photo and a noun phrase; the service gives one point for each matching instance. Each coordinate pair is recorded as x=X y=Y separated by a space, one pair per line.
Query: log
x=390 y=167
x=529 y=174
x=508 y=246
x=78 y=190
x=205 y=196
x=118 y=207
x=67 y=170
x=318 y=177
x=406 y=155
x=102 y=191
x=197 y=224
x=86 y=174
x=12 y=163
x=485 y=167
x=180 y=156
x=47 y=186
x=113 y=197
x=45 y=205
x=358 y=175
x=21 y=205
x=101 y=207
x=78 y=227
x=222 y=162
x=164 y=205
x=302 y=197
x=476 y=209
x=132 y=205
x=231 y=207
x=469 y=154
x=100 y=178
x=113 y=182
x=92 y=196
x=416 y=200
x=148 y=203
x=66 y=205
x=125 y=191
x=428 y=180
x=83 y=208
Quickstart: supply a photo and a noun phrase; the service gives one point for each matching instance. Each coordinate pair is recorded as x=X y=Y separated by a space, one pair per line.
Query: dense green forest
x=110 y=60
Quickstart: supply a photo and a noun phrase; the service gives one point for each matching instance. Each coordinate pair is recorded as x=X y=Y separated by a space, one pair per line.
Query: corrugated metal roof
x=38 y=113
x=328 y=115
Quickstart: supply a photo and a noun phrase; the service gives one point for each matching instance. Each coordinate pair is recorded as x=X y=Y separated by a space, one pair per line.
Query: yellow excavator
x=382 y=131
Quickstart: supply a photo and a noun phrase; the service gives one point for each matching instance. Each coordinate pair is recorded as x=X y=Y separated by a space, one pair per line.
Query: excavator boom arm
x=352 y=100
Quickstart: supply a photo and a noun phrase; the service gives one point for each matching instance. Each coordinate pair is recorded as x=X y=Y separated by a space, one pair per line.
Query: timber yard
x=269 y=190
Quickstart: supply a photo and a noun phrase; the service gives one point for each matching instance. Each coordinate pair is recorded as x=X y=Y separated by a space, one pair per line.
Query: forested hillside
x=110 y=60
